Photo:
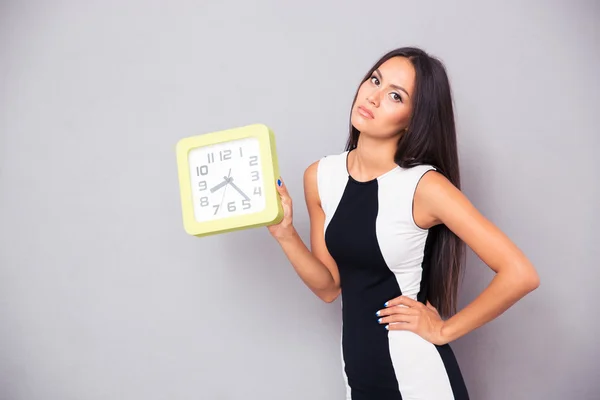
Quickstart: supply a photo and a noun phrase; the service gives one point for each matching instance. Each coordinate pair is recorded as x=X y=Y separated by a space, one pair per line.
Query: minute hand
x=233 y=185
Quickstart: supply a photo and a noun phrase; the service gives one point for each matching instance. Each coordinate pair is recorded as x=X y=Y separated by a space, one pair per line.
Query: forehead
x=398 y=71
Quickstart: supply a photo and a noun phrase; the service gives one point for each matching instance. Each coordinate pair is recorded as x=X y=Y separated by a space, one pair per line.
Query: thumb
x=281 y=186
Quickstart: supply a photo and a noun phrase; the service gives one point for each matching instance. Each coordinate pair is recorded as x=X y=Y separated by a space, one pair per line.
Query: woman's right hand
x=284 y=229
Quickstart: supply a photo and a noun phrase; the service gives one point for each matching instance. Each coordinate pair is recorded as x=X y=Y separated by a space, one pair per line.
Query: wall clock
x=227 y=180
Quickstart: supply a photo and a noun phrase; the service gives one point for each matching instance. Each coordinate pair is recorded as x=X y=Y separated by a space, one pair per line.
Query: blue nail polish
x=387 y=327
x=379 y=320
x=386 y=304
x=377 y=313
x=278 y=182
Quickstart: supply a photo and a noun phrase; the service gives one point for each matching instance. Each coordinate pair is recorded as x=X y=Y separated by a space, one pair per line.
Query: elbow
x=530 y=282
x=330 y=297
x=523 y=278
x=534 y=282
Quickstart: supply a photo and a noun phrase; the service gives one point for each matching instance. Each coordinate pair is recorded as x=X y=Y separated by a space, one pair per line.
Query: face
x=384 y=103
x=227 y=178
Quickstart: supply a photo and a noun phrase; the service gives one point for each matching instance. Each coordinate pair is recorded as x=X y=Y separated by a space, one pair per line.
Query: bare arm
x=317 y=269
x=437 y=201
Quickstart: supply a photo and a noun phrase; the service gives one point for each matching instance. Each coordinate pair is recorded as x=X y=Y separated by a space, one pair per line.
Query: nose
x=373 y=98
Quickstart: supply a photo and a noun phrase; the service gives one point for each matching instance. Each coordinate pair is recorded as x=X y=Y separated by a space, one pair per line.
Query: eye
x=396 y=96
x=374 y=80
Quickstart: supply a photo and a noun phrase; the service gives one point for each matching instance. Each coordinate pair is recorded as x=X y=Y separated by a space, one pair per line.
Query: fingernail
x=379 y=320
x=387 y=327
x=386 y=303
x=278 y=182
x=377 y=313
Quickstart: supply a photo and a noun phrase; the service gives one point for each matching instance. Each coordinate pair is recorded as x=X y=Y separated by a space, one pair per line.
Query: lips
x=364 y=112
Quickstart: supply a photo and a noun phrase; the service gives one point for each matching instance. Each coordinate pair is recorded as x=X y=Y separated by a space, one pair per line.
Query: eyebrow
x=391 y=84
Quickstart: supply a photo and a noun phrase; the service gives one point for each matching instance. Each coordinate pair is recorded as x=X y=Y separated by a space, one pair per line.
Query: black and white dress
x=371 y=234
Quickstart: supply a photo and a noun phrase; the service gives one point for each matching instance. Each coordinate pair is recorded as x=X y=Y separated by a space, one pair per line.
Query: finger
x=401 y=326
x=400 y=309
x=403 y=300
x=431 y=307
x=398 y=318
x=281 y=188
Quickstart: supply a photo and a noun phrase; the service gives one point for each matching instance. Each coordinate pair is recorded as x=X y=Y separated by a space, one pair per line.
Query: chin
x=360 y=123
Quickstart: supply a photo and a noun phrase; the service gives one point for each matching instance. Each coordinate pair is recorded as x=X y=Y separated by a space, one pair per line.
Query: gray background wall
x=103 y=295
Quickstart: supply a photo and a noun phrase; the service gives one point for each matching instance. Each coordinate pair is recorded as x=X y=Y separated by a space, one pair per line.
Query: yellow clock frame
x=273 y=211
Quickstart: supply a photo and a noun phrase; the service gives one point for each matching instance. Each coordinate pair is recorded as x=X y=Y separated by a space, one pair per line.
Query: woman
x=388 y=228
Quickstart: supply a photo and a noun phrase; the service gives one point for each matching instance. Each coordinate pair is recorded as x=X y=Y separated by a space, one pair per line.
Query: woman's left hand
x=406 y=314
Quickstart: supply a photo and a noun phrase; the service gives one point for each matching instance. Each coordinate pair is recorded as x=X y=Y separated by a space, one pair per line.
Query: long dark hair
x=430 y=139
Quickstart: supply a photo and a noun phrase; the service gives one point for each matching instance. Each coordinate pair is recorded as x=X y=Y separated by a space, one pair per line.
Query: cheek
x=395 y=114
x=362 y=92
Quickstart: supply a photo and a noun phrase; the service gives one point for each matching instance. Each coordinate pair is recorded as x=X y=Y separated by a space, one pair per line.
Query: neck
x=372 y=157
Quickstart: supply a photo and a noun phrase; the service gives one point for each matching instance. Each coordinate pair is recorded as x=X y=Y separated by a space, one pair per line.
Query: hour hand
x=220 y=185
x=233 y=185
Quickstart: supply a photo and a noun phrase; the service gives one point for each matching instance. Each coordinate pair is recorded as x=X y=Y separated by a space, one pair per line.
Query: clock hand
x=219 y=186
x=227 y=180
x=233 y=185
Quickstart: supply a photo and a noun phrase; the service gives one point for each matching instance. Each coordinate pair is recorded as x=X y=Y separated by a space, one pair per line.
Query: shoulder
x=310 y=176
x=437 y=193
x=326 y=165
x=413 y=176
x=421 y=169
x=432 y=181
x=320 y=171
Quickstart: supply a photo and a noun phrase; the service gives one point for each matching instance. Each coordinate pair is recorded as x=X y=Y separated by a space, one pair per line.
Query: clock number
x=231 y=206
x=258 y=191
x=253 y=161
x=254 y=175
x=202 y=185
x=203 y=170
x=211 y=158
x=225 y=155
x=246 y=204
x=216 y=209
x=203 y=201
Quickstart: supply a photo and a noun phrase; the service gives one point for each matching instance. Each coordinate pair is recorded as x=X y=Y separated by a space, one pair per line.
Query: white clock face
x=226 y=179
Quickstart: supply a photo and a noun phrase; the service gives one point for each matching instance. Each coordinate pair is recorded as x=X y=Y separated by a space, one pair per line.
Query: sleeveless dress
x=371 y=234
